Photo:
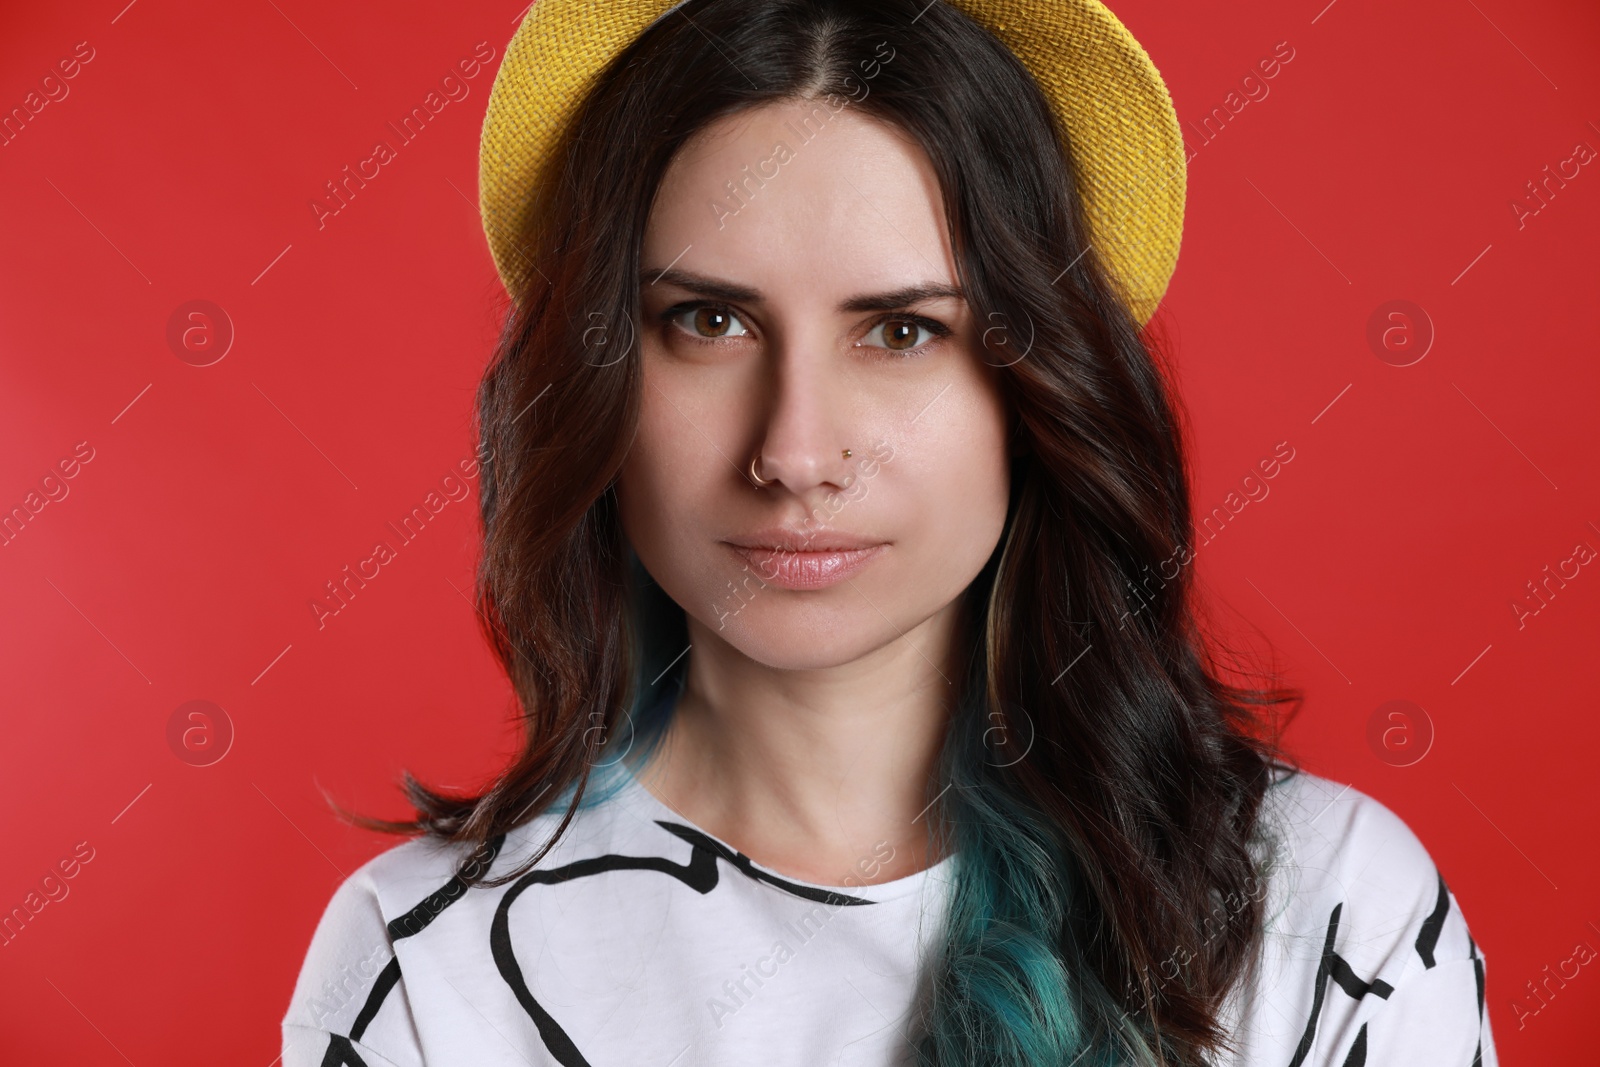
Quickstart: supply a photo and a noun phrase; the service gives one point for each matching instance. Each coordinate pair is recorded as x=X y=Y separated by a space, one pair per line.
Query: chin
x=797 y=638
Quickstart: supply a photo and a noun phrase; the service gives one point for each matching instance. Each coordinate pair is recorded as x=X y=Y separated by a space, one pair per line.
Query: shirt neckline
x=633 y=794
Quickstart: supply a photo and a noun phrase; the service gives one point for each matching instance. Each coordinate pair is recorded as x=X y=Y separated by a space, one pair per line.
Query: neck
x=818 y=774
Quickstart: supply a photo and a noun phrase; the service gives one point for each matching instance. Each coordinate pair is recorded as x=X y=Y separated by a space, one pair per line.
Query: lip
x=792 y=539
x=805 y=558
x=813 y=569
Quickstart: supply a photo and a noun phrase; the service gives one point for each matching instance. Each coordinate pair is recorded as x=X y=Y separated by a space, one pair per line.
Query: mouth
x=810 y=568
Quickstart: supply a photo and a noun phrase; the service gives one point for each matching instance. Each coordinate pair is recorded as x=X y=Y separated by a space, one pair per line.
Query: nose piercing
x=755 y=477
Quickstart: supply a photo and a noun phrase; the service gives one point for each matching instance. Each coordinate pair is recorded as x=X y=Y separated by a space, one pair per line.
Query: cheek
x=959 y=467
x=647 y=484
x=663 y=491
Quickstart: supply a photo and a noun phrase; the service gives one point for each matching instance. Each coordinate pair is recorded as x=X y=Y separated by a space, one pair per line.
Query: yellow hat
x=1107 y=93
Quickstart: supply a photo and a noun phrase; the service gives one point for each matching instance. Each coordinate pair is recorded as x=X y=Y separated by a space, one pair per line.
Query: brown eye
x=710 y=321
x=901 y=335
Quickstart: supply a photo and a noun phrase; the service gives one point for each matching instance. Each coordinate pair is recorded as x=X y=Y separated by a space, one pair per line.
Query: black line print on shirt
x=1358 y=1049
x=1334 y=966
x=699 y=874
x=1428 y=936
x=1428 y=940
x=1477 y=968
x=341 y=1052
x=417 y=919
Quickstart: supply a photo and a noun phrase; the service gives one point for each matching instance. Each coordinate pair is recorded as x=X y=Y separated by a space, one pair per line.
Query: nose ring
x=754 y=477
x=764 y=482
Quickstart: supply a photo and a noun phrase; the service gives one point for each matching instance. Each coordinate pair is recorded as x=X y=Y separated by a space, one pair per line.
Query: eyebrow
x=717 y=289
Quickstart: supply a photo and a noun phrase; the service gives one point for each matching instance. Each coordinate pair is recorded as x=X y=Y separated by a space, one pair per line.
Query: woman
x=835 y=524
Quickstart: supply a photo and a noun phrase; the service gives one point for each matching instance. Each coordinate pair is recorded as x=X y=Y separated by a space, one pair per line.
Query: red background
x=1382 y=565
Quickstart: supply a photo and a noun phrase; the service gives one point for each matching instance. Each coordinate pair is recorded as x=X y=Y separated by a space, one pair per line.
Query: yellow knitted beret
x=1101 y=83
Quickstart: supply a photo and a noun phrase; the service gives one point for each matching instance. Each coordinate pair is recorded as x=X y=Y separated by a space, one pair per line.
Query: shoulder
x=359 y=941
x=351 y=949
x=1341 y=832
x=1365 y=944
x=404 y=885
x=1344 y=858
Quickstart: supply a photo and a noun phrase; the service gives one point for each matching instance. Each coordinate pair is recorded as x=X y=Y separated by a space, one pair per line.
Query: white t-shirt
x=643 y=941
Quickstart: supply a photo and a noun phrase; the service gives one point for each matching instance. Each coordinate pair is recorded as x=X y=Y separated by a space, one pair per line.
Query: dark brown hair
x=1109 y=829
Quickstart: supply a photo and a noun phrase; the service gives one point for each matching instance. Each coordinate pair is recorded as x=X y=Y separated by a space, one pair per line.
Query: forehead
x=799 y=197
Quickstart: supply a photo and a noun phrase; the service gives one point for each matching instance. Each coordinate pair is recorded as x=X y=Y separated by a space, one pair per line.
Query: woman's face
x=798 y=300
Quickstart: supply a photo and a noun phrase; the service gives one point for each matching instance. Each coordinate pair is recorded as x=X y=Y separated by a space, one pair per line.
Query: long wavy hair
x=1100 y=781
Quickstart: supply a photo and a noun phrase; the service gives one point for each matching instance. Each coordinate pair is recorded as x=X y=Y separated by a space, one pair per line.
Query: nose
x=803 y=421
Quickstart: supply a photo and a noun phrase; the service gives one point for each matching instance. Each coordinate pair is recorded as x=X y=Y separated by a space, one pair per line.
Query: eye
x=706 y=321
x=901 y=333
